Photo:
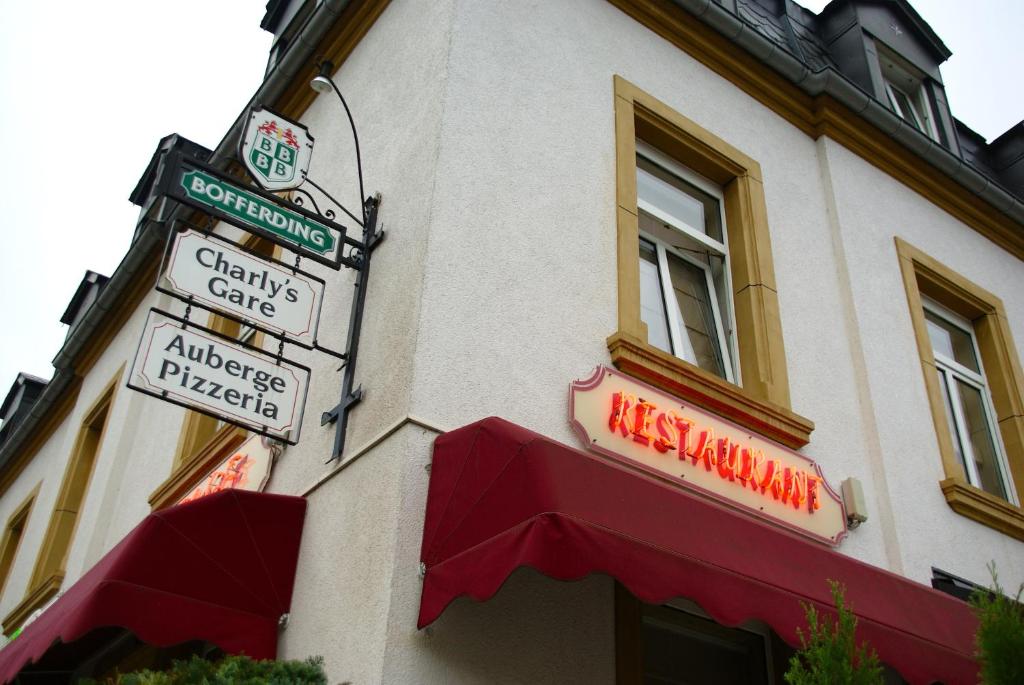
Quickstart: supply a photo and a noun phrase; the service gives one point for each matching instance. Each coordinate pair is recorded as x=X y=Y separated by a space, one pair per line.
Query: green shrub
x=231 y=670
x=1000 y=637
x=828 y=654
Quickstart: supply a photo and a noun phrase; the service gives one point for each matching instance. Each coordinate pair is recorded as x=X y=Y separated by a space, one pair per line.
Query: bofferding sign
x=630 y=421
x=228 y=279
x=256 y=211
x=248 y=468
x=195 y=368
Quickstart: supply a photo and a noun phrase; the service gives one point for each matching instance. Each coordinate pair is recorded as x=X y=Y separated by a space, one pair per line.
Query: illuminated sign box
x=248 y=468
x=630 y=421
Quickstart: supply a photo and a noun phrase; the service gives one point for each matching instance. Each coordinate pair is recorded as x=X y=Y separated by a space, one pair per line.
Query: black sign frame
x=293 y=436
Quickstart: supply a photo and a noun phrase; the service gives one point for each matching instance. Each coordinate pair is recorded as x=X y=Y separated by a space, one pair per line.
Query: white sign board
x=632 y=422
x=228 y=279
x=199 y=370
x=276 y=151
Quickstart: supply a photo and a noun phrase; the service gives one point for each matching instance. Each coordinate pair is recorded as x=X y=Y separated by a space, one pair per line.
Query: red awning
x=218 y=569
x=502 y=497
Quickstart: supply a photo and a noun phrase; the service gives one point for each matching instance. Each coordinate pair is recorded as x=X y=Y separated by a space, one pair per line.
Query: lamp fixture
x=322 y=82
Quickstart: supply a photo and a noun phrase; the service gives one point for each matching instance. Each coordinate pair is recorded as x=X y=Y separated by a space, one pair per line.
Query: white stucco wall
x=519 y=291
x=488 y=128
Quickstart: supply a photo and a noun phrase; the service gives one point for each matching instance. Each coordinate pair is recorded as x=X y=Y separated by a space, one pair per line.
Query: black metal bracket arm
x=349 y=397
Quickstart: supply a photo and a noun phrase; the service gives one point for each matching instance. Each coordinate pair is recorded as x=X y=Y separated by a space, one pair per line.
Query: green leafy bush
x=828 y=654
x=231 y=670
x=1000 y=637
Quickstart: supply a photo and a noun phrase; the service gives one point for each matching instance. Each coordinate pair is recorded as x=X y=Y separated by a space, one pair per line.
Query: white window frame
x=901 y=78
x=917 y=101
x=953 y=371
x=725 y=327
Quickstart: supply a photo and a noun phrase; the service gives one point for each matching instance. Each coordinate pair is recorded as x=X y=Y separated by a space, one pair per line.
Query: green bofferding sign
x=253 y=210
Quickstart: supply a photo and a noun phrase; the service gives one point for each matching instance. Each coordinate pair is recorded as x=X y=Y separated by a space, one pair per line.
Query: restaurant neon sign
x=622 y=418
x=744 y=465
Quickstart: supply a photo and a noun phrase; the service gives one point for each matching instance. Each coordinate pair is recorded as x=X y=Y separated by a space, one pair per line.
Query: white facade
x=488 y=128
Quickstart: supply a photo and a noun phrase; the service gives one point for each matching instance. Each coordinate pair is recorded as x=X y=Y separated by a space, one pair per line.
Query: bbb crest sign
x=276 y=151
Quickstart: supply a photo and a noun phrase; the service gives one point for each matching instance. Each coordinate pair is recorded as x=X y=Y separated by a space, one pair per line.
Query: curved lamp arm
x=322 y=84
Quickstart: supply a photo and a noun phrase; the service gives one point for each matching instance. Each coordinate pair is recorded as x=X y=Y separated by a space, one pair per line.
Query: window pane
x=980 y=439
x=682 y=649
x=951 y=341
x=957 y=449
x=906 y=108
x=697 y=319
x=652 y=303
x=686 y=203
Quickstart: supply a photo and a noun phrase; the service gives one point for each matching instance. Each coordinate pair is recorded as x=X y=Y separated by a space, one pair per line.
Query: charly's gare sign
x=222 y=276
x=623 y=418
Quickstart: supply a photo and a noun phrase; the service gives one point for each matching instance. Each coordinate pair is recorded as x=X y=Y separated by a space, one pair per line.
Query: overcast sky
x=89 y=88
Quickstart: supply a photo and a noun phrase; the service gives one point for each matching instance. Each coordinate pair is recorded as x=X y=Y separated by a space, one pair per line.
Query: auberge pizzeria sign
x=195 y=368
x=633 y=422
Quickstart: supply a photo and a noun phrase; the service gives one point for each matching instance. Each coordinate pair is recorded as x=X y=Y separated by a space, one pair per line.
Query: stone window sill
x=688 y=382
x=983 y=507
x=37 y=598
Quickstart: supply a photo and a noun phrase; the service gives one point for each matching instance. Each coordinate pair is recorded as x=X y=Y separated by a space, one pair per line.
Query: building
x=844 y=257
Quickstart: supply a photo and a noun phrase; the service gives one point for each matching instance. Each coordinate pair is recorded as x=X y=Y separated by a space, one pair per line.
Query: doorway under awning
x=502 y=497
x=219 y=569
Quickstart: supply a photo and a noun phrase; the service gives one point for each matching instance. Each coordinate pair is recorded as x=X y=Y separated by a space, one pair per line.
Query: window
x=48 y=572
x=974 y=386
x=679 y=643
x=698 y=313
x=966 y=401
x=684 y=287
x=906 y=93
x=12 y=536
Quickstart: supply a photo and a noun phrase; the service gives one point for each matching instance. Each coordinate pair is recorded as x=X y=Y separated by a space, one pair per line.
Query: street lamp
x=350 y=397
x=322 y=83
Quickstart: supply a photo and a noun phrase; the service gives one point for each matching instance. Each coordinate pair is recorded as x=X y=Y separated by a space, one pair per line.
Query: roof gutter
x=828 y=81
x=154 y=232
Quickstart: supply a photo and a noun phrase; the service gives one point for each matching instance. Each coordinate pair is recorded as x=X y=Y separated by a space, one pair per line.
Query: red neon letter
x=813 y=502
x=705 y=449
x=684 y=426
x=744 y=466
x=757 y=461
x=642 y=422
x=773 y=478
x=728 y=454
x=619 y=418
x=796 y=488
x=666 y=433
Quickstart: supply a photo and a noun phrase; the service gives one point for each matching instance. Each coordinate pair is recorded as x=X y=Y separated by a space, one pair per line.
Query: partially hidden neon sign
x=247 y=468
x=623 y=418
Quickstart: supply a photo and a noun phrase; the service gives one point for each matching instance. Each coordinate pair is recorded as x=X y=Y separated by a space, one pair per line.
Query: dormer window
x=906 y=92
